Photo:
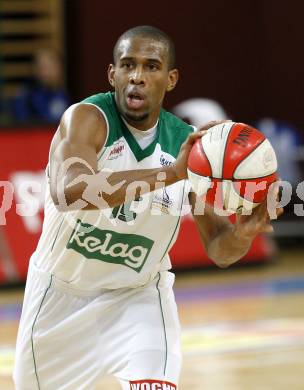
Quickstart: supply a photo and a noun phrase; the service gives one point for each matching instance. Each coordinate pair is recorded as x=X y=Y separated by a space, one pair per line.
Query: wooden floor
x=243 y=328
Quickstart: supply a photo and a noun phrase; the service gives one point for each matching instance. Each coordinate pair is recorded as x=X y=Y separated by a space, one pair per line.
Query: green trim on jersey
x=171 y=131
x=164 y=324
x=32 y=332
x=105 y=102
x=138 y=152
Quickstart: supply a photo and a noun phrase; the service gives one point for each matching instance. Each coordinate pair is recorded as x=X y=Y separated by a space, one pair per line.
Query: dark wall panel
x=245 y=54
x=283 y=33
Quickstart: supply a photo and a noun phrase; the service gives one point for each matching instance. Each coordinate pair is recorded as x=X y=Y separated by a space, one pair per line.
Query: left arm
x=226 y=243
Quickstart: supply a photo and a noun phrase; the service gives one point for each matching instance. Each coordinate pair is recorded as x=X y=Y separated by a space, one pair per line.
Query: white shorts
x=68 y=339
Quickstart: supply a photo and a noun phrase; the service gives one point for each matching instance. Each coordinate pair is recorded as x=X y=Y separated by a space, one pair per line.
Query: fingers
x=257 y=222
x=262 y=220
x=203 y=130
x=267 y=229
x=260 y=213
x=270 y=206
x=280 y=211
x=262 y=208
x=194 y=136
x=273 y=199
x=208 y=125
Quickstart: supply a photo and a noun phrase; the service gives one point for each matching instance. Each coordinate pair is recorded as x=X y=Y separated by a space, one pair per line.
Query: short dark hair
x=149 y=32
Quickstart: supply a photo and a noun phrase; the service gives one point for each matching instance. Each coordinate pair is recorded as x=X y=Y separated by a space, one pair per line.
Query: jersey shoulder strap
x=173 y=132
x=106 y=103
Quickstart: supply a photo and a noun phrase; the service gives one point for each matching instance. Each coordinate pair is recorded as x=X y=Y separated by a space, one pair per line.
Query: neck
x=135 y=128
x=142 y=125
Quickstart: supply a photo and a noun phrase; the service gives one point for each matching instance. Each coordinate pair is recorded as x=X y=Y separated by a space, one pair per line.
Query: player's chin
x=136 y=116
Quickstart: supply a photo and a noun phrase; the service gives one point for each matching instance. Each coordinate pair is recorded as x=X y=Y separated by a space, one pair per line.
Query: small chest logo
x=164 y=162
x=162 y=202
x=117 y=150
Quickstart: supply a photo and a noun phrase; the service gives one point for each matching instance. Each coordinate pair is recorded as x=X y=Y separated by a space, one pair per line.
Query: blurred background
x=242 y=327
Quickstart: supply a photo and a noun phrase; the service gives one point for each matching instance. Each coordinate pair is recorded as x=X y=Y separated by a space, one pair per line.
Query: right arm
x=81 y=135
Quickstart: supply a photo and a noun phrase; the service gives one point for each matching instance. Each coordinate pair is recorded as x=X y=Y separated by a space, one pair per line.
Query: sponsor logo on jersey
x=162 y=202
x=117 y=150
x=164 y=162
x=151 y=385
x=131 y=250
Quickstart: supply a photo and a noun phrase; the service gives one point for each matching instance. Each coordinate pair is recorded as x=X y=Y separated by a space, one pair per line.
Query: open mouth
x=135 y=100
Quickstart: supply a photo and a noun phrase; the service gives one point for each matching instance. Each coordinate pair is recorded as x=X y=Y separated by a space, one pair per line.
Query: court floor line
x=241 y=289
x=233 y=290
x=260 y=359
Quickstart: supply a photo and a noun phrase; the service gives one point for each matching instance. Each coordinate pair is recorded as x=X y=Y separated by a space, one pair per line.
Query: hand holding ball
x=233 y=166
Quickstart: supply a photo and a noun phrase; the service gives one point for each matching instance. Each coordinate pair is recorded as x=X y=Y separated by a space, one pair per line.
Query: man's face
x=141 y=78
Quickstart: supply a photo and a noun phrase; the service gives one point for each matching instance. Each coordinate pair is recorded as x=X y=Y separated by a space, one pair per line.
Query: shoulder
x=82 y=113
x=176 y=125
x=104 y=101
x=173 y=132
x=83 y=123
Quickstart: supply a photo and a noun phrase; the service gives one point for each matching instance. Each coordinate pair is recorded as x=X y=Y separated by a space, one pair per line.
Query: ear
x=111 y=75
x=172 y=79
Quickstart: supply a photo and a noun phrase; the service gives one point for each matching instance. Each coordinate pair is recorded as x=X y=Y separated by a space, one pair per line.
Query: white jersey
x=124 y=246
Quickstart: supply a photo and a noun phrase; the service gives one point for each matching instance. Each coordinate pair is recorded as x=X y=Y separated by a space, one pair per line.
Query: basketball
x=232 y=167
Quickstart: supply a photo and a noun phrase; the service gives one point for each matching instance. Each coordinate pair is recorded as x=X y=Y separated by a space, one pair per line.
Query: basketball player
x=99 y=296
